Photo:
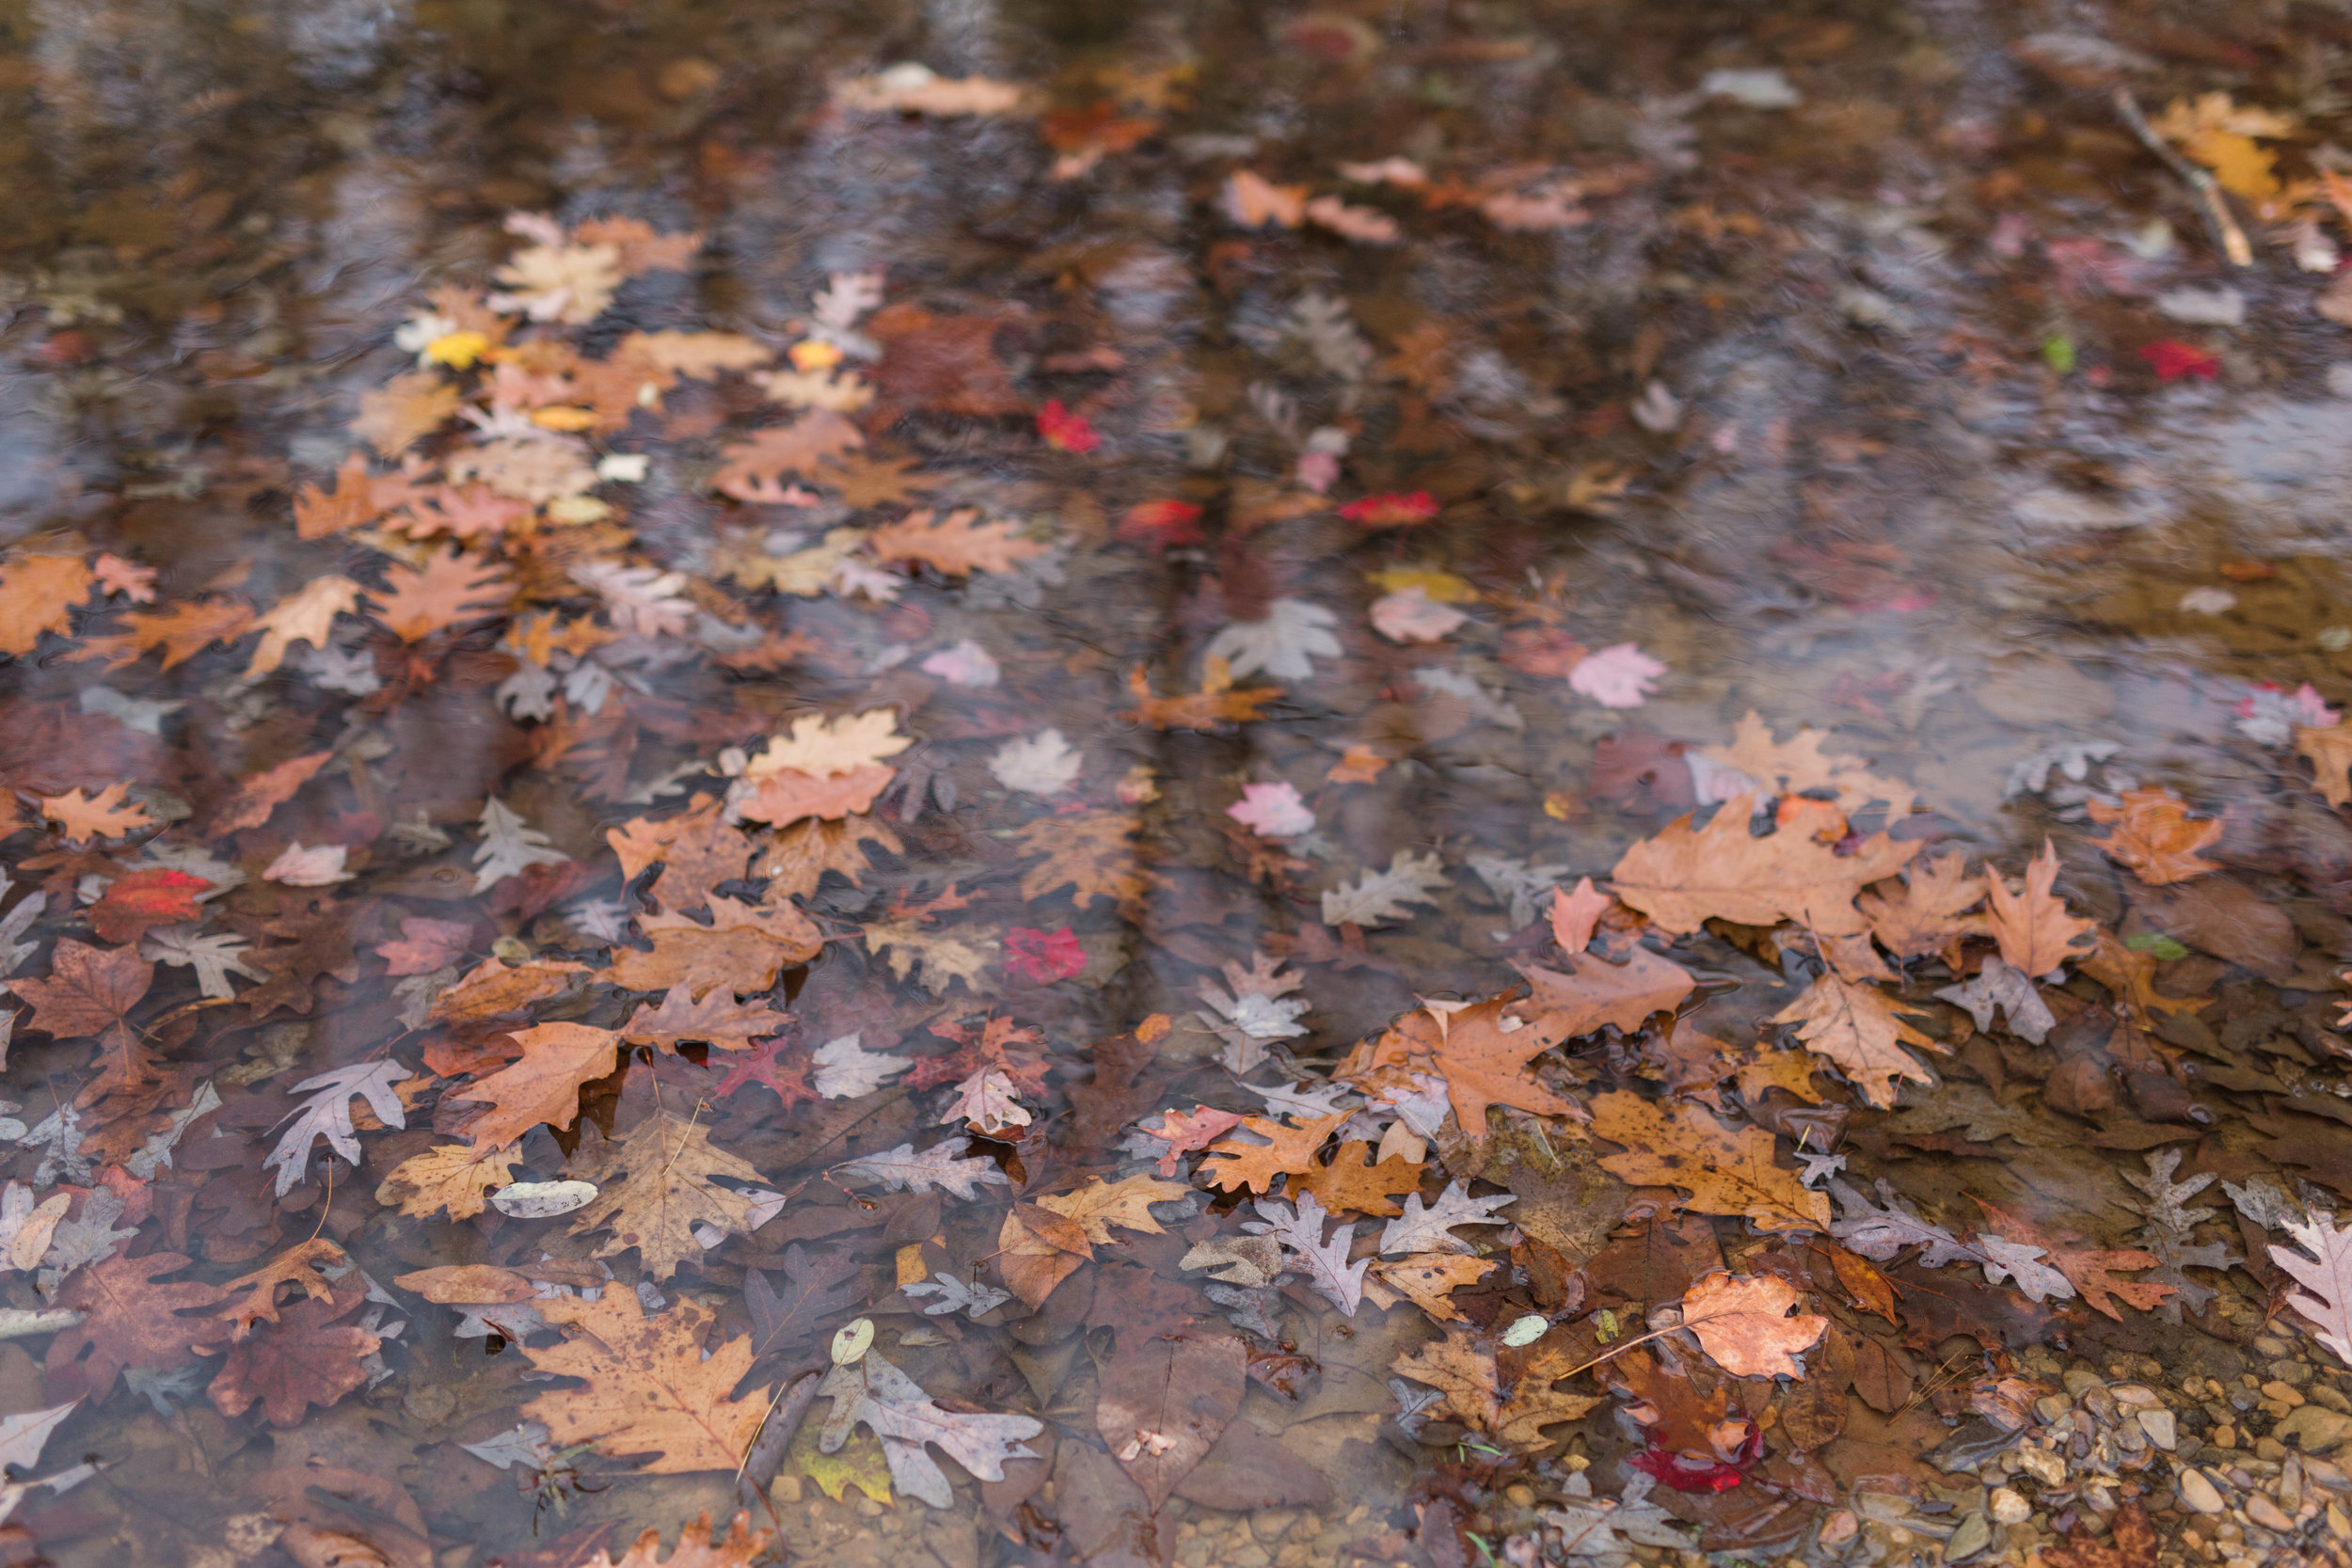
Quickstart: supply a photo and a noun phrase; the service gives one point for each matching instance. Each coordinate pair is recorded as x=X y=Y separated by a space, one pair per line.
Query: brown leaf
x=407 y=409
x=2087 y=1268
x=295 y=1362
x=798 y=856
x=1218 y=706
x=1429 y=1279
x=649 y=1388
x=1574 y=914
x=37 y=593
x=2131 y=1543
x=1743 y=1324
x=2330 y=751
x=1164 y=1402
x=1924 y=912
x=453 y=589
x=701 y=960
x=1676 y=1415
x=1864 y=1282
x=1682 y=878
x=352 y=503
x=260 y=794
x=718 y=1019
x=1460 y=1368
x=295 y=1266
x=491 y=989
x=88 y=990
x=1482 y=1060
x=2036 y=933
x=657 y=1188
x=1587 y=992
x=1861 y=1029
x=129 y=1319
x=1883 y=1376
x=2154 y=837
x=456 y=1177
x=1127 y=1203
x=1726 y=1172
x=948 y=363
x=1352 y=1183
x=957 y=545
x=543 y=1086
x=1796 y=766
x=697 y=1547
x=697 y=850
x=1092 y=854
x=785 y=796
x=1233 y=1164
x=752 y=467
x=84 y=816
x=181 y=631
x=1813 y=1412
x=1031 y=1265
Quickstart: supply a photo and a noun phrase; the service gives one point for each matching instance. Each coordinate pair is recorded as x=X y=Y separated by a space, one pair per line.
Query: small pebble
x=2268 y=1346
x=2201 y=1493
x=1839 y=1527
x=2284 y=1392
x=1974 y=1534
x=2161 y=1427
x=2009 y=1508
x=2266 y=1514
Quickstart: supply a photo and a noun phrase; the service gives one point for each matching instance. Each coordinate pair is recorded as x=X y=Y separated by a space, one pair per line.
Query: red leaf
x=1065 y=430
x=2173 y=359
x=158 y=897
x=425 y=945
x=1162 y=525
x=1042 y=957
x=1391 y=511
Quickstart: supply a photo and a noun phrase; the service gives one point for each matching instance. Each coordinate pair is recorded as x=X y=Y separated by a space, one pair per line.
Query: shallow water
x=1879 y=391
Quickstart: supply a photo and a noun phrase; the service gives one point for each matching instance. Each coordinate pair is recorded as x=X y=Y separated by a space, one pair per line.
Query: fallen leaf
x=298 y=1361
x=39 y=594
x=1726 y=1172
x=1682 y=878
x=456 y=1177
x=2036 y=933
x=543 y=1086
x=262 y=793
x=1860 y=1028
x=649 y=1388
x=1745 y=1324
x=82 y=816
x=2154 y=837
x=453 y=589
x=1351 y=1183
x=1164 y=1402
x=658 y=1188
x=1575 y=911
x=157 y=897
x=956 y=545
x=1587 y=992
x=1234 y=1164
x=129 y=1319
x=305 y=615
x=1926 y=912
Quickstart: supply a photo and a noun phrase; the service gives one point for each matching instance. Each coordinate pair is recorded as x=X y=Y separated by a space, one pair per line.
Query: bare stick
x=2227 y=236
x=766 y=1454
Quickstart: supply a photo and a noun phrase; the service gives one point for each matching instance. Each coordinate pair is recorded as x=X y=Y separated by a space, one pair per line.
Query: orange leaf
x=1233 y=1164
x=85 y=817
x=1575 y=913
x=453 y=589
x=1252 y=202
x=157 y=897
x=1682 y=878
x=954 y=544
x=1744 y=1325
x=260 y=794
x=1352 y=1182
x=2036 y=933
x=37 y=593
x=2154 y=837
x=408 y=407
x=543 y=1086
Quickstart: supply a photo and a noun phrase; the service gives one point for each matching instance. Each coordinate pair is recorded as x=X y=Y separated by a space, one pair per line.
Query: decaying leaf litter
x=1584 y=808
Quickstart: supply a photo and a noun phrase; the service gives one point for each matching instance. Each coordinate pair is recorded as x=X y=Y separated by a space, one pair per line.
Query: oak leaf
x=697 y=850
x=658 y=1188
x=942 y=956
x=1233 y=1164
x=1481 y=1051
x=298 y=1266
x=1351 y=1182
x=181 y=631
x=1726 y=1172
x=543 y=1086
x=717 y=1019
x=425 y=945
x=83 y=816
x=798 y=856
x=129 y=1319
x=453 y=589
x=298 y=1361
x=743 y=958
x=1588 y=991
x=260 y=794
x=406 y=408
x=817 y=1288
x=1743 y=1324
x=1099 y=1204
x=823 y=748
x=37 y=593
x=1860 y=1028
x=2131 y=975
x=1216 y=706
x=1675 y=1414
x=456 y=1177
x=697 y=1547
x=751 y=469
x=1682 y=878
x=2087 y=1269
x=956 y=545
x=2036 y=933
x=1927 y=910
x=1465 y=1371
x=305 y=615
x=492 y=988
x=352 y=503
x=2154 y=837
x=782 y=797
x=1429 y=1279
x=2330 y=751
x=649 y=1388
x=1575 y=911
x=1093 y=855
x=1796 y=766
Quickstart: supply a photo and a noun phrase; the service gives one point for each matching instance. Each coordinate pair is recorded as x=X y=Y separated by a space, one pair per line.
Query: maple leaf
x=1590 y=991
x=1352 y=1183
x=128 y=1318
x=1285 y=643
x=453 y=589
x=778 y=1063
x=1184 y=1131
x=83 y=816
x=328 y=1115
x=1861 y=1029
x=89 y=990
x=1420 y=1230
x=890 y=1404
x=305 y=615
x=750 y=469
x=1726 y=1172
x=1093 y=855
x=1929 y=913
x=1682 y=878
x=298 y=1361
x=456 y=1177
x=1798 y=767
x=1377 y=896
x=955 y=545
x=2154 y=837
x=1042 y=764
x=941 y=1168
x=2036 y=933
x=1043 y=958
x=817 y=1288
x=543 y=1086
x=1234 y=1163
x=2325 y=1276
x=1743 y=1324
x=650 y=1388
x=37 y=593
x=657 y=1188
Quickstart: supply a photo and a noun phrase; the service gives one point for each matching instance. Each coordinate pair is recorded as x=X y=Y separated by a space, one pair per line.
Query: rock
x=2199 y=1493
x=2080 y=1379
x=2137 y=1395
x=2266 y=1514
x=2040 y=1464
x=2317 y=1428
x=2270 y=1448
x=1269 y=1524
x=1973 y=1536
x=2285 y=1393
x=2049 y=1407
x=2268 y=1346
x=2009 y=1508
x=1839 y=1527
x=2163 y=1429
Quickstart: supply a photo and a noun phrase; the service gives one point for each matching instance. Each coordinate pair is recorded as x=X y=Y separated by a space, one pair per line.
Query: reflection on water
x=1370 y=463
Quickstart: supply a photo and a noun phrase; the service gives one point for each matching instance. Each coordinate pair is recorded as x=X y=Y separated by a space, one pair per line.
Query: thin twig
x=2227 y=237
x=765 y=1456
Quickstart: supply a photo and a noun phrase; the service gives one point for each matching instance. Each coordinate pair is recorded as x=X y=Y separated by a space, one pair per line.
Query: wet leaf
x=648 y=1389
x=1164 y=1405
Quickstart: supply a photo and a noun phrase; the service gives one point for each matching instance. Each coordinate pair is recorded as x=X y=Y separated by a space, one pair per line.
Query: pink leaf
x=1618 y=676
x=1272 y=810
